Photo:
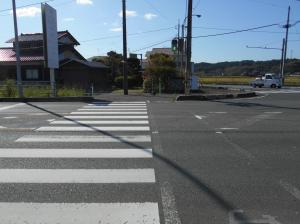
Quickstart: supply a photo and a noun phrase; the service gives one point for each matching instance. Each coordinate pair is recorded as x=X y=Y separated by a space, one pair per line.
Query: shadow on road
x=213 y=194
x=248 y=104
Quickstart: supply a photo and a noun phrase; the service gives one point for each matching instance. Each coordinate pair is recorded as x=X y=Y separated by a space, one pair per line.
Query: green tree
x=161 y=70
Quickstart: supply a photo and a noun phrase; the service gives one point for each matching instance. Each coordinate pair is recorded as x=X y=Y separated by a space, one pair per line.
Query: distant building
x=74 y=69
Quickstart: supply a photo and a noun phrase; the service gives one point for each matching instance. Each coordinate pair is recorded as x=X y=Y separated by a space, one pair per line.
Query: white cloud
x=105 y=24
x=70 y=19
x=128 y=13
x=117 y=29
x=149 y=16
x=28 y=12
x=84 y=2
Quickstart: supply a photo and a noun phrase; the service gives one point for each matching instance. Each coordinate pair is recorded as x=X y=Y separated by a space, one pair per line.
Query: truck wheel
x=273 y=86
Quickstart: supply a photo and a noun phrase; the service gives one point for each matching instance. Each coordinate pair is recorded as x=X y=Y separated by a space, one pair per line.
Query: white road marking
x=119 y=102
x=96 y=176
x=8 y=118
x=229 y=128
x=291 y=189
x=101 y=122
x=199 y=117
x=221 y=112
x=219 y=132
x=11 y=106
x=90 y=113
x=235 y=217
x=79 y=213
x=112 y=109
x=93 y=128
x=106 y=117
x=84 y=138
x=51 y=120
x=116 y=105
x=273 y=112
x=75 y=153
x=1 y=127
x=169 y=205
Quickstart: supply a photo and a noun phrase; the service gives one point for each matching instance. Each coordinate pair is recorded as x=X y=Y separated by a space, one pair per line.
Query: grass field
x=243 y=80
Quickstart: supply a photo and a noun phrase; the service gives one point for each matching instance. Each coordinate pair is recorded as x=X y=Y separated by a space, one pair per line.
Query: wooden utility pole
x=125 y=74
x=17 y=50
x=287 y=26
x=189 y=47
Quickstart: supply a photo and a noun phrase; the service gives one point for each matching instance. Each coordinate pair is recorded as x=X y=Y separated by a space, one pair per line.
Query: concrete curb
x=43 y=99
x=215 y=96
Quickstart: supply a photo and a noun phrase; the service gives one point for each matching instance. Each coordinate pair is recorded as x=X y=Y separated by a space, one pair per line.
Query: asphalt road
x=228 y=161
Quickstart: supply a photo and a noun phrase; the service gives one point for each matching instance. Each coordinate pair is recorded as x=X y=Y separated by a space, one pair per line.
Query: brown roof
x=29 y=37
x=8 y=55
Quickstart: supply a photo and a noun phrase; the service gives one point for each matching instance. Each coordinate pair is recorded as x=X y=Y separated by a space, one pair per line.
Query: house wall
x=77 y=75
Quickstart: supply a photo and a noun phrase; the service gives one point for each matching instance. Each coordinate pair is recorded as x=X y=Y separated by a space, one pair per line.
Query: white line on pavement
x=75 y=153
x=112 y=109
x=78 y=213
x=199 y=117
x=8 y=118
x=169 y=205
x=229 y=128
x=220 y=112
x=96 y=176
x=1 y=127
x=11 y=106
x=106 y=117
x=121 y=102
x=291 y=189
x=101 y=122
x=89 y=113
x=84 y=138
x=93 y=128
x=273 y=112
x=116 y=105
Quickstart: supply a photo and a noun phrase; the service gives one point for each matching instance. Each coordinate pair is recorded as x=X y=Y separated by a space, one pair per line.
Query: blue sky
x=97 y=25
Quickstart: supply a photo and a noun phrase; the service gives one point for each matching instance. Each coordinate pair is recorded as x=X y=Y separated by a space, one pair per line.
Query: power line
x=152 y=45
x=24 y=6
x=132 y=34
x=236 y=31
x=158 y=11
x=230 y=29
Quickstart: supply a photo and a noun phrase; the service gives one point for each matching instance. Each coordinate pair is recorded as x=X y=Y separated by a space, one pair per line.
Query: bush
x=147 y=85
x=70 y=92
x=133 y=81
x=37 y=91
x=9 y=89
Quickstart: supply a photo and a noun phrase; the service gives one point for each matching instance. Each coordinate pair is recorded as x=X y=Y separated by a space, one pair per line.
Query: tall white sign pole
x=49 y=17
x=17 y=51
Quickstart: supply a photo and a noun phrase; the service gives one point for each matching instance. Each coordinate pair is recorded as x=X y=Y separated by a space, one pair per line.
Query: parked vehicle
x=269 y=80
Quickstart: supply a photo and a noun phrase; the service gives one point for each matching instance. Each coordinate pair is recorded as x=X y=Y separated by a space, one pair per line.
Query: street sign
x=49 y=18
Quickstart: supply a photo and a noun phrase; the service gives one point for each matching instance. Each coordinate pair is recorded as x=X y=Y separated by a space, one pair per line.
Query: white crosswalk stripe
x=106 y=117
x=75 y=153
x=79 y=213
x=101 y=122
x=102 y=119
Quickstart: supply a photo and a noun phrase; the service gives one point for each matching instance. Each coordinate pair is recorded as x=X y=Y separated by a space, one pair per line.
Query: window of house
x=32 y=74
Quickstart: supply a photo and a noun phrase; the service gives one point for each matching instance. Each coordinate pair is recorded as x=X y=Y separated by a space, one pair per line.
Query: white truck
x=269 y=80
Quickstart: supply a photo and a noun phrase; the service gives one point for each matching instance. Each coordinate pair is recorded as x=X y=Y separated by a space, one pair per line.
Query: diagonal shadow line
x=239 y=104
x=213 y=194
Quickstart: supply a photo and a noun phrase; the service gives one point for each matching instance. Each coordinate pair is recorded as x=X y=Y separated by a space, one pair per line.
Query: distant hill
x=246 y=68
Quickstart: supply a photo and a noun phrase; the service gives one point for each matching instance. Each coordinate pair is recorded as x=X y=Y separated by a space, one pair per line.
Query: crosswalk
x=110 y=136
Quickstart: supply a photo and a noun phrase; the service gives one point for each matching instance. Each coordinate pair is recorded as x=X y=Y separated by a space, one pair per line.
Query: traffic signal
x=174 y=45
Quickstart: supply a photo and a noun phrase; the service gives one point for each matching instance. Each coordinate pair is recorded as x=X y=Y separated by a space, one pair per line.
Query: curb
x=54 y=99
x=215 y=97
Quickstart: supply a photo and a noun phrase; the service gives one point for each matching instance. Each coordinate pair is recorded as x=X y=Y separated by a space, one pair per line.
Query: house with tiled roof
x=74 y=69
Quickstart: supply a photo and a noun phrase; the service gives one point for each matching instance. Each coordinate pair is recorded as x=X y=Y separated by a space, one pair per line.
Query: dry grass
x=243 y=80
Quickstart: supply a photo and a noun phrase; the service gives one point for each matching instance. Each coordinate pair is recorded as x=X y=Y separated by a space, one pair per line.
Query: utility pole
x=282 y=58
x=125 y=75
x=178 y=47
x=17 y=51
x=189 y=47
x=182 y=51
x=287 y=26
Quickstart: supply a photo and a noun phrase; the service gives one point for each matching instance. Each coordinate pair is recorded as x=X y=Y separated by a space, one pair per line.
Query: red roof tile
x=8 y=55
